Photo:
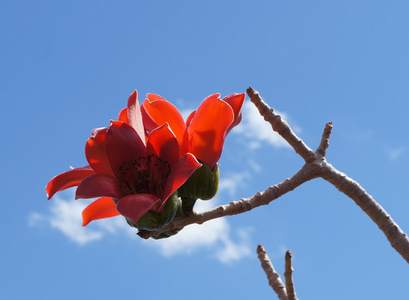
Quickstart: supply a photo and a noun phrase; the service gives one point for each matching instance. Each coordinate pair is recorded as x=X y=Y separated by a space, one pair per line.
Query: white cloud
x=65 y=216
x=258 y=131
x=235 y=251
x=214 y=236
x=254 y=165
x=231 y=183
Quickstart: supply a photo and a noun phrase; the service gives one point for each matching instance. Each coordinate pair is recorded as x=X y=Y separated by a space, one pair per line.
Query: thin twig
x=322 y=148
x=288 y=275
x=274 y=280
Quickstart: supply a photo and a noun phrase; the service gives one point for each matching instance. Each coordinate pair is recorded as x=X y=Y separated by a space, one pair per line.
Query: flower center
x=145 y=175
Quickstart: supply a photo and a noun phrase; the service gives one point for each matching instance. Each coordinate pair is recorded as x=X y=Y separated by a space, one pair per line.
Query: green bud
x=203 y=184
x=166 y=234
x=153 y=221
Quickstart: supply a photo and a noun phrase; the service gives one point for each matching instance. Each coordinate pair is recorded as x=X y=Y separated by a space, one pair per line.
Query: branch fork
x=284 y=292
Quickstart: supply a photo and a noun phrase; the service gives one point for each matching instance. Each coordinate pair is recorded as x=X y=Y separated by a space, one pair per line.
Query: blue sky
x=68 y=67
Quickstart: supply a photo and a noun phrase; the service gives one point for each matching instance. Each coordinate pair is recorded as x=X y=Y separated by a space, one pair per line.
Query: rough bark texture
x=274 y=280
x=288 y=276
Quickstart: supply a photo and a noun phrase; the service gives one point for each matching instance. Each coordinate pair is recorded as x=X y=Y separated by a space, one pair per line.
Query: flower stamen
x=145 y=175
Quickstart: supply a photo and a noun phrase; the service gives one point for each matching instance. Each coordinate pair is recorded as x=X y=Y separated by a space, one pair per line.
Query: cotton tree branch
x=274 y=280
x=306 y=173
x=315 y=166
x=284 y=292
x=288 y=275
x=280 y=126
x=322 y=148
x=398 y=239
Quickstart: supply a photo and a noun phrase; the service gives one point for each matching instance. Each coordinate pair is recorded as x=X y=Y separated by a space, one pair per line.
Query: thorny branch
x=315 y=166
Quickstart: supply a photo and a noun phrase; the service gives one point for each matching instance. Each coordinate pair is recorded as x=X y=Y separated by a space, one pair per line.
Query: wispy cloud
x=394 y=153
x=215 y=237
x=231 y=183
x=258 y=131
x=65 y=216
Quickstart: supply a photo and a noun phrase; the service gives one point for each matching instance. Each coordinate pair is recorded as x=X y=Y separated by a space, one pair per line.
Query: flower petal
x=123 y=115
x=135 y=116
x=95 y=152
x=67 y=179
x=99 y=209
x=164 y=144
x=181 y=171
x=153 y=97
x=98 y=185
x=190 y=117
x=208 y=128
x=157 y=111
x=122 y=144
x=134 y=206
x=236 y=102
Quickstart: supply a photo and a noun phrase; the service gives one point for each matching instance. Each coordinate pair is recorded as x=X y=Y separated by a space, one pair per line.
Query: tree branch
x=288 y=275
x=308 y=172
x=316 y=166
x=274 y=280
x=398 y=239
x=280 y=126
x=395 y=235
x=322 y=148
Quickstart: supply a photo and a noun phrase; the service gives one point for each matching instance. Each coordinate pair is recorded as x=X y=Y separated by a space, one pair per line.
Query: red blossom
x=132 y=172
x=204 y=132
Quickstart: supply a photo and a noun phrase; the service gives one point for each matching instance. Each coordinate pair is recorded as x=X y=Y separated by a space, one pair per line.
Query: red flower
x=139 y=172
x=204 y=132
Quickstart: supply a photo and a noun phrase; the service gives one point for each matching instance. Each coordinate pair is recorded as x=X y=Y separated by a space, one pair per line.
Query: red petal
x=99 y=209
x=189 y=118
x=153 y=97
x=67 y=179
x=122 y=144
x=159 y=112
x=134 y=206
x=181 y=171
x=148 y=122
x=236 y=102
x=135 y=116
x=164 y=144
x=123 y=115
x=208 y=129
x=98 y=185
x=95 y=152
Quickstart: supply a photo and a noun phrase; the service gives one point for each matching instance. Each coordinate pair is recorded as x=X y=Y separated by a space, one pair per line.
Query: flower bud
x=152 y=221
x=166 y=234
x=203 y=184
